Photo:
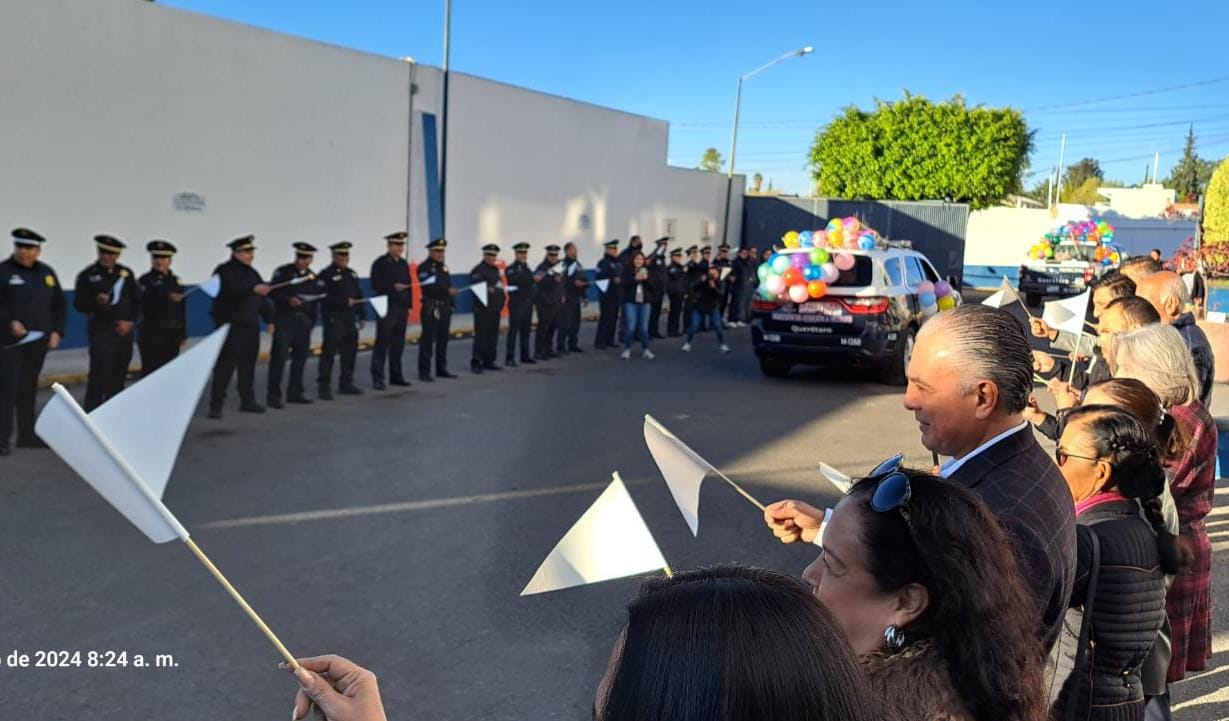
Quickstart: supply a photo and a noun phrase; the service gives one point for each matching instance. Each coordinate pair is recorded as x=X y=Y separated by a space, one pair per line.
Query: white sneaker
x=625 y=355
x=647 y=354
x=686 y=347
x=725 y=348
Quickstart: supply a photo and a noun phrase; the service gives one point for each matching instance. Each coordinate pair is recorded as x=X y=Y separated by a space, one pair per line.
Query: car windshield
x=1075 y=251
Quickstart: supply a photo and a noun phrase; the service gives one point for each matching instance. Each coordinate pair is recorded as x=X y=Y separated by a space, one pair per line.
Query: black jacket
x=575 y=280
x=1128 y=611
x=1201 y=353
x=236 y=303
x=676 y=278
x=520 y=276
x=436 y=291
x=706 y=295
x=96 y=280
x=158 y=312
x=385 y=272
x=32 y=296
x=550 y=288
x=489 y=274
x=281 y=297
x=340 y=286
x=627 y=288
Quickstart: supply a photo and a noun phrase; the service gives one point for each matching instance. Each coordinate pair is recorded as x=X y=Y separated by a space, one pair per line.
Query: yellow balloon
x=791 y=239
x=947 y=303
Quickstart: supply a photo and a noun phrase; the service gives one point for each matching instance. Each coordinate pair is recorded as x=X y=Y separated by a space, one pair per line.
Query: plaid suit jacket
x=1026 y=492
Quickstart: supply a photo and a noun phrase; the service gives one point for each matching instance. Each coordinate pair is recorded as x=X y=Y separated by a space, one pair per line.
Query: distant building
x=1149 y=201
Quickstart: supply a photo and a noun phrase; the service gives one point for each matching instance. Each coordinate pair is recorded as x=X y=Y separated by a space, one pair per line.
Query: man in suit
x=390 y=276
x=242 y=301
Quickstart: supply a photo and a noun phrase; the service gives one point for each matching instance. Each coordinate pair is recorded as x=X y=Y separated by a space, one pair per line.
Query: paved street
x=399 y=527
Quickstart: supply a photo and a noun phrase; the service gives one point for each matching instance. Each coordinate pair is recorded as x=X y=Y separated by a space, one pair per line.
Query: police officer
x=675 y=289
x=437 y=295
x=548 y=300
x=701 y=275
x=164 y=319
x=390 y=276
x=693 y=272
x=723 y=261
x=743 y=280
x=521 y=289
x=486 y=314
x=342 y=314
x=31 y=302
x=295 y=302
x=575 y=283
x=241 y=302
x=609 y=270
x=108 y=293
x=656 y=263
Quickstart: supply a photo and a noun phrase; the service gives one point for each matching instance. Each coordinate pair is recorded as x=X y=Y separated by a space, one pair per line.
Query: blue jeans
x=698 y=316
x=635 y=322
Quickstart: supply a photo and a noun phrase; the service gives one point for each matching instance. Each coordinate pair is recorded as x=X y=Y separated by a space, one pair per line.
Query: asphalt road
x=398 y=528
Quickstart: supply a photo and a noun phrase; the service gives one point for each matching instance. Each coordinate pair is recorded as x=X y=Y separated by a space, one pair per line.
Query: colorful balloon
x=866 y=243
x=779 y=263
x=852 y=225
x=926 y=287
x=812 y=272
x=775 y=284
x=818 y=256
x=798 y=293
x=799 y=260
x=947 y=303
x=926 y=298
x=831 y=273
x=943 y=289
x=766 y=293
x=793 y=276
x=817 y=288
x=790 y=239
x=844 y=261
x=762 y=270
x=804 y=239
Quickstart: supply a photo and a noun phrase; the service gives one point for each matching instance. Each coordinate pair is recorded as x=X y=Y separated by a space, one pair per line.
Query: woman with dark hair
x=924 y=581
x=637 y=291
x=730 y=644
x=1110 y=462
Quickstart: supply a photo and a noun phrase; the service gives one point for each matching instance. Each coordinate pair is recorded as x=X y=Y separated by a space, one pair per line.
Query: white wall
x=111 y=108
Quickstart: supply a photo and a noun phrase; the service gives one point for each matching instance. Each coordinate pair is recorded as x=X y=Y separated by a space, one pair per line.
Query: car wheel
x=774 y=368
x=897 y=371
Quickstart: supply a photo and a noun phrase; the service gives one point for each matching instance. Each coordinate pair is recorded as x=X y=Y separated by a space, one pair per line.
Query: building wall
x=112 y=110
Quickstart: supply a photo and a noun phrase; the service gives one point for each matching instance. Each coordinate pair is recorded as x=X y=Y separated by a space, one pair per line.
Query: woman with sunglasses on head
x=924 y=582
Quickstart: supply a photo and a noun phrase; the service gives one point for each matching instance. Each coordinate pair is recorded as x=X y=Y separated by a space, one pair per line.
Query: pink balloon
x=831 y=274
x=775 y=283
x=844 y=261
x=926 y=287
x=819 y=238
x=798 y=293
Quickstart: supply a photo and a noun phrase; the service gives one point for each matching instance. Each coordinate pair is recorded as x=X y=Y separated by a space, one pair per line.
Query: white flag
x=1068 y=314
x=842 y=482
x=117 y=290
x=427 y=281
x=379 y=303
x=682 y=468
x=302 y=278
x=29 y=337
x=609 y=541
x=211 y=287
x=1005 y=295
x=602 y=284
x=557 y=268
x=511 y=289
x=479 y=291
x=725 y=272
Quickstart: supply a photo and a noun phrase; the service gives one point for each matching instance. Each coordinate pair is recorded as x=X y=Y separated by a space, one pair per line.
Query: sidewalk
x=71 y=365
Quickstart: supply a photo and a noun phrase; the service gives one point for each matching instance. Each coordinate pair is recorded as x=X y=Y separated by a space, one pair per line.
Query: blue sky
x=680 y=61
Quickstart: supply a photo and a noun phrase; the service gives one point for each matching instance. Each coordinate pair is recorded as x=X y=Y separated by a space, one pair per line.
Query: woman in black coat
x=637 y=291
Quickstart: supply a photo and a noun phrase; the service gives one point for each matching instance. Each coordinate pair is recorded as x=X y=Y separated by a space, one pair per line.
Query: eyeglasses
x=893 y=490
x=1061 y=456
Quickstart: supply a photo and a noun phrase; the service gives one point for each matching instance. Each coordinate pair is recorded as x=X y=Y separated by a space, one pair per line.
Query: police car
x=868 y=317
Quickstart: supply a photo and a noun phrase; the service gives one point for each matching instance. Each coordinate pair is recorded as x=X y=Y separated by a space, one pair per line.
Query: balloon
x=775 y=284
x=804 y=239
x=812 y=272
x=819 y=238
x=852 y=225
x=844 y=261
x=831 y=273
x=793 y=276
x=766 y=293
x=763 y=270
x=925 y=298
x=1114 y=257
x=866 y=243
x=780 y=263
x=925 y=287
x=817 y=288
x=819 y=256
x=943 y=289
x=947 y=303
x=834 y=223
x=1049 y=253
x=798 y=293
x=790 y=239
x=930 y=309
x=799 y=260
x=835 y=236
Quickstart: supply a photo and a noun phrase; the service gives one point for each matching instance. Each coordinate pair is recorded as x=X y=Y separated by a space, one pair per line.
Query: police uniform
x=342 y=312
x=33 y=298
x=676 y=289
x=656 y=263
x=164 y=319
x=111 y=297
x=295 y=305
x=486 y=314
x=722 y=285
x=387 y=273
x=547 y=301
x=575 y=283
x=436 y=285
x=609 y=270
x=521 y=289
x=692 y=272
x=238 y=304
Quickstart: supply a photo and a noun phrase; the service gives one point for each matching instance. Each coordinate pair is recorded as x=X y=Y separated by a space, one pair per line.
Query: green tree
x=1077 y=176
x=1216 y=206
x=712 y=161
x=913 y=149
x=1085 y=194
x=1190 y=176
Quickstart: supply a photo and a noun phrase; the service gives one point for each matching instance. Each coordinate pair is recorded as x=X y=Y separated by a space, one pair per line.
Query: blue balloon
x=762 y=271
x=866 y=243
x=780 y=263
x=927 y=299
x=804 y=239
x=812 y=272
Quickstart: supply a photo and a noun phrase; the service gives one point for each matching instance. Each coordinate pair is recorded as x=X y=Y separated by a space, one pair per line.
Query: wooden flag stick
x=669 y=573
x=256 y=619
x=294 y=281
x=740 y=490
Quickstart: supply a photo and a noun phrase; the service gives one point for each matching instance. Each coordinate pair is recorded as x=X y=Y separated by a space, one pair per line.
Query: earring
x=894 y=638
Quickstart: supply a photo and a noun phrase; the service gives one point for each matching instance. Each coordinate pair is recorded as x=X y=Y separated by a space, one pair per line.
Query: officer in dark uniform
x=521 y=289
x=390 y=276
x=656 y=263
x=609 y=270
x=486 y=315
x=109 y=294
x=548 y=300
x=706 y=259
x=343 y=315
x=675 y=289
x=437 y=295
x=164 y=318
x=242 y=302
x=31 y=301
x=575 y=284
x=724 y=261
x=294 y=306
x=693 y=273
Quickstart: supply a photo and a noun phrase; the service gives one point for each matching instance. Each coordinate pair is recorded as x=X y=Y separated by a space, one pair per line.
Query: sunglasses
x=892 y=492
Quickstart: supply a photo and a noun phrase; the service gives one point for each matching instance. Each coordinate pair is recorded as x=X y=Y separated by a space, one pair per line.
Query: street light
x=738 y=99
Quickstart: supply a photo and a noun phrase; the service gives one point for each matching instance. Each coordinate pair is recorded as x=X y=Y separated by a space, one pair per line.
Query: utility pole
x=1062 y=153
x=444 y=128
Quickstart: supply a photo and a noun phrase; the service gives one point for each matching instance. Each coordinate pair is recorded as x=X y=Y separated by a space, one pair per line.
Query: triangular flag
x=427 y=281
x=117 y=290
x=75 y=437
x=842 y=482
x=602 y=284
x=146 y=423
x=557 y=268
x=1068 y=314
x=682 y=468
x=211 y=287
x=1004 y=296
x=302 y=278
x=479 y=291
x=511 y=288
x=29 y=337
x=725 y=272
x=609 y=541
x=379 y=304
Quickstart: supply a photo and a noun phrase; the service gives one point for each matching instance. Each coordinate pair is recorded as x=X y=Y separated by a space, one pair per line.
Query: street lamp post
x=738 y=99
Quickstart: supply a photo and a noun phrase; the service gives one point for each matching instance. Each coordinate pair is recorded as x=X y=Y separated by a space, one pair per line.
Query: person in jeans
x=638 y=292
x=706 y=304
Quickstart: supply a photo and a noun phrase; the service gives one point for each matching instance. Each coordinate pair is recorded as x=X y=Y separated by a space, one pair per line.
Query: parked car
x=1072 y=269
x=868 y=318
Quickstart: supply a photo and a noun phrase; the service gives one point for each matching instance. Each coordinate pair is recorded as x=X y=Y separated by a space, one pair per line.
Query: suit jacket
x=1025 y=491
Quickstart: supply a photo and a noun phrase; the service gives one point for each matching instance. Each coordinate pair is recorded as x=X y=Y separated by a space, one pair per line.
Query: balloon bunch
x=847 y=233
x=813 y=259
x=935 y=297
x=1082 y=232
